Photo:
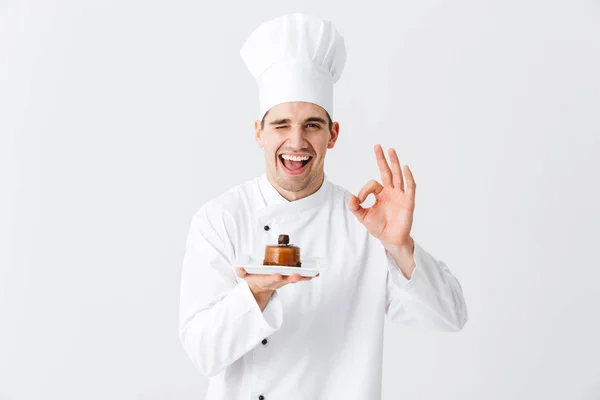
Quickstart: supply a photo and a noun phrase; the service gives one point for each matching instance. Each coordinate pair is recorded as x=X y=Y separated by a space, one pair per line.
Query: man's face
x=295 y=138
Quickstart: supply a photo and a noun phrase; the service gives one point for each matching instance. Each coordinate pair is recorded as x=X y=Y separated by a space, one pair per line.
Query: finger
x=273 y=281
x=396 y=170
x=356 y=209
x=371 y=187
x=411 y=185
x=386 y=173
x=266 y=281
x=241 y=272
x=302 y=278
x=294 y=278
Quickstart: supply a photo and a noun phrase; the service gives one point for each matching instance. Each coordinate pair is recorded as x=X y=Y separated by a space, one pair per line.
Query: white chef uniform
x=320 y=339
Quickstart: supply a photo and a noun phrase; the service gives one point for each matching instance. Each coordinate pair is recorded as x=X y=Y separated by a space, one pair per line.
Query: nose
x=297 y=138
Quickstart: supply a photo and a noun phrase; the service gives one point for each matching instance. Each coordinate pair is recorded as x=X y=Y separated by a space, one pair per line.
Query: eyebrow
x=287 y=121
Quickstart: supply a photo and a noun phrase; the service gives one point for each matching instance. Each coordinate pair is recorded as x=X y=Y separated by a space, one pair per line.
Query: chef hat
x=295 y=57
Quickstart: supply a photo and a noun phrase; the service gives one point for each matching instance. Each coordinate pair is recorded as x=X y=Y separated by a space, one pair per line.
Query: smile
x=294 y=164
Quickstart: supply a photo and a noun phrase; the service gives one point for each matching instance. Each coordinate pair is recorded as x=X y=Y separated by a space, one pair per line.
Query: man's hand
x=390 y=218
x=263 y=286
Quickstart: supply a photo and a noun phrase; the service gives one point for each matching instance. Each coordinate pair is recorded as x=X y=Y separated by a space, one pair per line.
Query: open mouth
x=294 y=165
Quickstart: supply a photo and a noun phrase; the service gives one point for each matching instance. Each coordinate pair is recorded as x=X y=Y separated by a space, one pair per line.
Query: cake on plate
x=283 y=253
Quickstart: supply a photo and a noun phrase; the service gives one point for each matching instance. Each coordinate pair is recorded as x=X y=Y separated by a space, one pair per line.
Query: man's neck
x=293 y=196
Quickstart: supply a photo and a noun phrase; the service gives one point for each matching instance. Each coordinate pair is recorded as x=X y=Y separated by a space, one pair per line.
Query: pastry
x=282 y=254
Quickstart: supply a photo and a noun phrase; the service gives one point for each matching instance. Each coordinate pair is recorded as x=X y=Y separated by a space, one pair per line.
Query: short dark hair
x=262 y=123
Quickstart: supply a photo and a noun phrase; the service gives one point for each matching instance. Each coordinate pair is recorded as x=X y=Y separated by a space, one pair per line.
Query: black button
x=261 y=397
x=267 y=227
x=264 y=341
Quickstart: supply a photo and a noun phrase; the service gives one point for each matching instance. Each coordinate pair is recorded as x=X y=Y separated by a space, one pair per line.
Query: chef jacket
x=318 y=339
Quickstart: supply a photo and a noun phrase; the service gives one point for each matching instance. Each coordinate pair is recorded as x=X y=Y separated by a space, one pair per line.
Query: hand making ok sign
x=390 y=218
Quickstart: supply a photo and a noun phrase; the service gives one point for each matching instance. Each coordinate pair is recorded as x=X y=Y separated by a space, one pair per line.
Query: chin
x=294 y=183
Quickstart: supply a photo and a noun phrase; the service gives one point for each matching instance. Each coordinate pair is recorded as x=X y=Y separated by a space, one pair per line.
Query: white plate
x=308 y=268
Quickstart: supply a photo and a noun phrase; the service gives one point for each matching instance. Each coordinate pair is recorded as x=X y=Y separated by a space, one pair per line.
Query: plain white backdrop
x=118 y=119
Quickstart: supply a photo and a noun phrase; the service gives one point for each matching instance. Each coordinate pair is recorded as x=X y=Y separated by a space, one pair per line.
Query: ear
x=258 y=134
x=333 y=135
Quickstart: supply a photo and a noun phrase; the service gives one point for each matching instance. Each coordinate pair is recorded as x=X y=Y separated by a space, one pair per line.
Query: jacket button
x=261 y=397
x=264 y=341
x=267 y=227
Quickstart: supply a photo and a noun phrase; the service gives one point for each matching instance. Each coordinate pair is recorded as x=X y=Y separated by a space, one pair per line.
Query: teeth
x=295 y=158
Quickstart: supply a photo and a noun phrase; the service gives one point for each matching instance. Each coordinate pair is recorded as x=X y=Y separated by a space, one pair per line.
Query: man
x=282 y=337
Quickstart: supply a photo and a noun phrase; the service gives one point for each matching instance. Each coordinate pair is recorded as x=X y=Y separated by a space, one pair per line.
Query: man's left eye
x=313 y=126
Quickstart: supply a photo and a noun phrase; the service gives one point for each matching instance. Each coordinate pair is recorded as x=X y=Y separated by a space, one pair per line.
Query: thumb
x=356 y=208
x=241 y=272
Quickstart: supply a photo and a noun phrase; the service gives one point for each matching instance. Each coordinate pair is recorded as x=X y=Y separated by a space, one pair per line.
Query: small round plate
x=308 y=268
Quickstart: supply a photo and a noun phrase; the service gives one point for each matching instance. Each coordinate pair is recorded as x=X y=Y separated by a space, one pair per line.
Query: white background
x=118 y=119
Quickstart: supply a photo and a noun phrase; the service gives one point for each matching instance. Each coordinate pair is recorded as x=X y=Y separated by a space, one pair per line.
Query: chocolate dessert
x=282 y=254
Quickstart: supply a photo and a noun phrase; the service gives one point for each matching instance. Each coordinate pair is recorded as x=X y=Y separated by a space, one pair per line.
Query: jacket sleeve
x=220 y=320
x=431 y=299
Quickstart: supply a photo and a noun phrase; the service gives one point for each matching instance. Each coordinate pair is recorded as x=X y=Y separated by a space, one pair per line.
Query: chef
x=274 y=337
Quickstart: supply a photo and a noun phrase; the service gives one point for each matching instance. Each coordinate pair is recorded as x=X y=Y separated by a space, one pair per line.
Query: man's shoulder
x=231 y=200
x=339 y=193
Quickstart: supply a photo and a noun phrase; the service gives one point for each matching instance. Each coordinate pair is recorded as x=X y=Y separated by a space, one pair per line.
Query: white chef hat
x=295 y=57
